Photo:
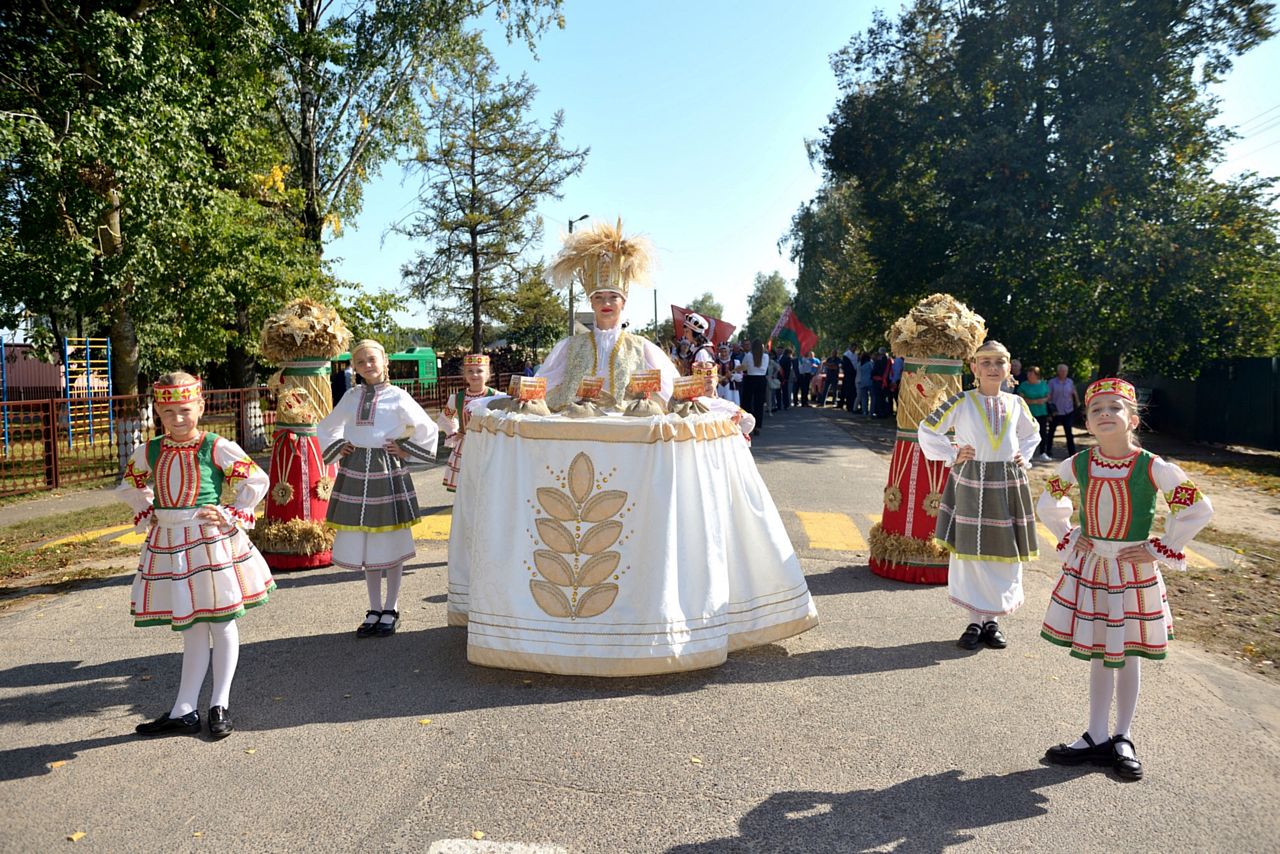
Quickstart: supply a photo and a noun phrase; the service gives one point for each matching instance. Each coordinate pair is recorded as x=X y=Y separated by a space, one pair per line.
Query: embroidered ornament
x=1111 y=385
x=282 y=493
x=324 y=488
x=892 y=497
x=179 y=393
x=1183 y=496
x=933 y=503
x=1057 y=487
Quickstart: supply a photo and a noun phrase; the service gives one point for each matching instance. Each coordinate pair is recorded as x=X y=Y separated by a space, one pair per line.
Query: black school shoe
x=972 y=637
x=992 y=636
x=220 y=725
x=188 y=724
x=1128 y=767
x=388 y=629
x=368 y=630
x=1063 y=754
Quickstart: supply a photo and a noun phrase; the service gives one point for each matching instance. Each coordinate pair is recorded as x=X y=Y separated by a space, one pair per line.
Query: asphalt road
x=871 y=732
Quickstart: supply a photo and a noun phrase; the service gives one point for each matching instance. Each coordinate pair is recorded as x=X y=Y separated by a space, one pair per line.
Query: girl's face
x=181 y=419
x=607 y=306
x=990 y=369
x=476 y=376
x=1109 y=416
x=370 y=363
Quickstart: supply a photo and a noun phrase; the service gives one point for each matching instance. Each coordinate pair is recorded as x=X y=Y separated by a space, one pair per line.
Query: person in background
x=880 y=384
x=1035 y=391
x=895 y=379
x=849 y=387
x=787 y=374
x=755 y=368
x=863 y=396
x=832 y=386
x=1063 y=400
x=806 y=368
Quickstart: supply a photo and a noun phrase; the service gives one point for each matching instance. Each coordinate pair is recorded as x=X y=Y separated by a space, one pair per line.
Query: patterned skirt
x=1102 y=608
x=373 y=507
x=454 y=465
x=191 y=572
x=987 y=514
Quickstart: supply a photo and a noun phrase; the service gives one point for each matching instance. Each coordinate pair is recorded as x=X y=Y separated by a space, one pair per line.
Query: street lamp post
x=571 y=222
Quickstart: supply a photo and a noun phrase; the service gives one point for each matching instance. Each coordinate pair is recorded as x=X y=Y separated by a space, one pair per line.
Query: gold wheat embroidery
x=577 y=559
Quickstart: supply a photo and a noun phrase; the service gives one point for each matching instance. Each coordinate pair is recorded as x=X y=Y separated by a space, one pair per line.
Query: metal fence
x=61 y=442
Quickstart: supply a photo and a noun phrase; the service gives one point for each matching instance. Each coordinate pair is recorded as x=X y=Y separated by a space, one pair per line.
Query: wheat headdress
x=602 y=259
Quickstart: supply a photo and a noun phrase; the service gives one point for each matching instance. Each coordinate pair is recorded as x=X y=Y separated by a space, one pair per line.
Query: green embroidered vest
x=207 y=473
x=580 y=356
x=1133 y=499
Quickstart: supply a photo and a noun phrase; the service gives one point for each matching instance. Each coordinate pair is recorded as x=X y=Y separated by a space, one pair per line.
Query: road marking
x=834 y=531
x=1047 y=538
x=434 y=527
x=1197 y=560
x=87 y=536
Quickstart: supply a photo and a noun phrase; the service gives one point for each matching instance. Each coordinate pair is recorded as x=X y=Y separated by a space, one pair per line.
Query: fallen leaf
x=251 y=751
x=424 y=721
x=76 y=837
x=346 y=696
x=197 y=833
x=277 y=699
x=145 y=678
x=477 y=834
x=58 y=763
x=695 y=760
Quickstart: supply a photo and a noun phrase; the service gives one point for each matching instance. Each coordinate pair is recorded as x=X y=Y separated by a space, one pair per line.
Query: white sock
x=373 y=581
x=1128 y=683
x=1101 y=687
x=975 y=617
x=195 y=664
x=394 y=576
x=226 y=654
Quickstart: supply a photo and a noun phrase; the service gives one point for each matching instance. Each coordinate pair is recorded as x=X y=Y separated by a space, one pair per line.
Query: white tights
x=1104 y=682
x=195 y=664
x=373 y=581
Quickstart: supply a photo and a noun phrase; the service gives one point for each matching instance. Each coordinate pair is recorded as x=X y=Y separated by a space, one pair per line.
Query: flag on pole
x=790 y=331
x=719 y=332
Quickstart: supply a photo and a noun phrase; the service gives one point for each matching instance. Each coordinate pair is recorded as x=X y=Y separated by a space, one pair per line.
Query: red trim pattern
x=237 y=471
x=142 y=514
x=1062 y=544
x=139 y=478
x=1058 y=487
x=1182 y=496
x=245 y=516
x=1111 y=463
x=1165 y=551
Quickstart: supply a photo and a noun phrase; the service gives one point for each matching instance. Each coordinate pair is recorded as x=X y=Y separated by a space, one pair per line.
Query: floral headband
x=179 y=393
x=1111 y=385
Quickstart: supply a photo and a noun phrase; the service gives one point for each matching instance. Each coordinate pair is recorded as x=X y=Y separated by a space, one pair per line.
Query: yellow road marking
x=87 y=536
x=831 y=531
x=433 y=527
x=129 y=539
x=1048 y=542
x=1197 y=560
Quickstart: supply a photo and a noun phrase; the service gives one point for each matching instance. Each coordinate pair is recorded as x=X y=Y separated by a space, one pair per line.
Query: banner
x=790 y=332
x=719 y=332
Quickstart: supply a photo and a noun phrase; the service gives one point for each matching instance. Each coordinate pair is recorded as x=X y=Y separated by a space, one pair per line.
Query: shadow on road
x=337 y=678
x=856 y=579
x=926 y=814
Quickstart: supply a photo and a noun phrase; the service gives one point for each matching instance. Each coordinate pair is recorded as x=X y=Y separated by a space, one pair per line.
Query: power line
x=1250 y=121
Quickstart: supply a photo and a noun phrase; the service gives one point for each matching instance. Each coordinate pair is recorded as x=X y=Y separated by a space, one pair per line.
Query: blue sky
x=696 y=114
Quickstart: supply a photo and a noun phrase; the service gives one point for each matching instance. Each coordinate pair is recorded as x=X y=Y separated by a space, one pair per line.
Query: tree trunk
x=477 y=329
x=124 y=337
x=1109 y=363
x=308 y=108
x=239 y=362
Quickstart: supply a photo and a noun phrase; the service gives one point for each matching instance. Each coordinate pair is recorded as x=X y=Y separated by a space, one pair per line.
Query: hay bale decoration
x=935 y=339
x=302 y=338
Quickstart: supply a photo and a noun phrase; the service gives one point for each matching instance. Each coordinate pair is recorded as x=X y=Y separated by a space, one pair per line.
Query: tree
x=118 y=123
x=538 y=313
x=352 y=79
x=706 y=305
x=373 y=316
x=765 y=305
x=487 y=168
x=1049 y=164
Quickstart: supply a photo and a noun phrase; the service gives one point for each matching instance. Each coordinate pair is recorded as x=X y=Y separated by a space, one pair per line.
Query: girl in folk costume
x=985 y=518
x=1109 y=607
x=198 y=572
x=454 y=417
x=372 y=431
x=730 y=376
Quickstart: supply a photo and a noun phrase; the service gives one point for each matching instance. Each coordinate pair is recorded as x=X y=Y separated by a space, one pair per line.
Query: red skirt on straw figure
x=300 y=487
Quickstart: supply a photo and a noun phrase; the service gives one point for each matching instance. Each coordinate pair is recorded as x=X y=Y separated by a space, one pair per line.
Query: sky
x=696 y=115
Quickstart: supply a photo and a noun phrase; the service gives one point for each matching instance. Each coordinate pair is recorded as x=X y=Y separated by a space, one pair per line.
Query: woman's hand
x=211 y=516
x=964 y=453
x=346 y=450
x=1018 y=460
x=394 y=450
x=1135 y=554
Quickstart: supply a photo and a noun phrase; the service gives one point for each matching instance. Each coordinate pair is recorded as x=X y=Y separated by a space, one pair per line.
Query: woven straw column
x=302 y=339
x=934 y=339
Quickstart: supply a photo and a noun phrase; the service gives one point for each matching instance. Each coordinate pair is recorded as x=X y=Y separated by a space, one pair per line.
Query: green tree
x=768 y=300
x=352 y=80
x=372 y=315
x=487 y=167
x=538 y=312
x=706 y=304
x=1050 y=164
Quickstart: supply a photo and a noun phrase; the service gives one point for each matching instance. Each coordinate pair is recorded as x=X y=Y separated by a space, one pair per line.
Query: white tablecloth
x=617 y=546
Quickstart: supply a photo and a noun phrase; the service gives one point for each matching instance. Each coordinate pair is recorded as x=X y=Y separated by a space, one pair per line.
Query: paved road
x=871 y=732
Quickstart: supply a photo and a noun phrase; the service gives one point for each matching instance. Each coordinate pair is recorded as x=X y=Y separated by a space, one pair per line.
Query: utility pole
x=571 y=222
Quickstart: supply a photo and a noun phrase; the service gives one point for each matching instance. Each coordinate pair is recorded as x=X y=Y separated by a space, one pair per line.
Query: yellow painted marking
x=1047 y=540
x=433 y=527
x=831 y=531
x=130 y=539
x=1197 y=560
x=87 y=536
x=874 y=517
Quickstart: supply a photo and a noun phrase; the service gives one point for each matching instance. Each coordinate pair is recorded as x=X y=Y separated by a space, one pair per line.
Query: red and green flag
x=789 y=331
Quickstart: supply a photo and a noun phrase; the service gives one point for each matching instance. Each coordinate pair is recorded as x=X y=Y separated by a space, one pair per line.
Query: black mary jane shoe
x=368 y=630
x=1128 y=767
x=972 y=637
x=387 y=629
x=188 y=724
x=1063 y=754
x=220 y=725
x=992 y=636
